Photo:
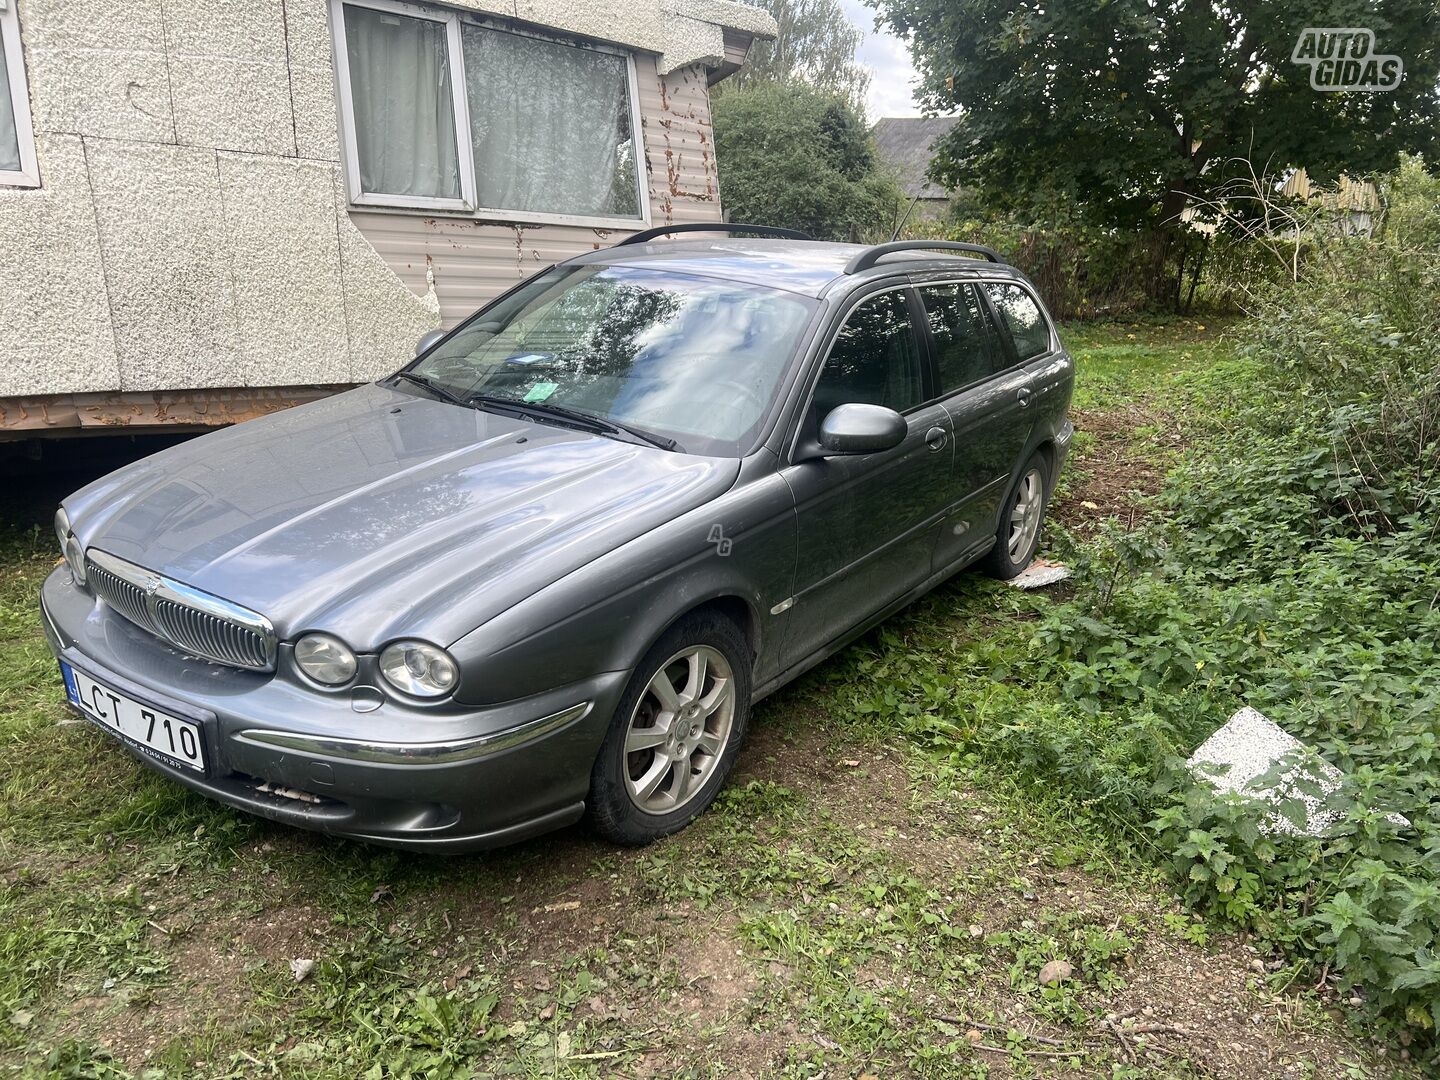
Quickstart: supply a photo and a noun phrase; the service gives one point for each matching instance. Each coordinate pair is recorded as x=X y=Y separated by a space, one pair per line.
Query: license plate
x=145 y=727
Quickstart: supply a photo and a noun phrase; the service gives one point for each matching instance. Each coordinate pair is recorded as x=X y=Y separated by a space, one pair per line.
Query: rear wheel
x=1021 y=515
x=675 y=734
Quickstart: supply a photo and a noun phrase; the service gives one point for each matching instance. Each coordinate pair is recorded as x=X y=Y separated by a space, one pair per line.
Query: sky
x=891 y=73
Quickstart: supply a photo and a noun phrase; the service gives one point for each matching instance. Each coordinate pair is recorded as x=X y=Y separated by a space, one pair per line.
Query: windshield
x=693 y=359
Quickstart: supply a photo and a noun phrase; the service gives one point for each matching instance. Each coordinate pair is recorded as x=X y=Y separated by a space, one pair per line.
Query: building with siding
x=211 y=209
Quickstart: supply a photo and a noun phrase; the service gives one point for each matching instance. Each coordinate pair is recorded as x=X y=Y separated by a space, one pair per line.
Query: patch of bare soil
x=1176 y=1002
x=1113 y=470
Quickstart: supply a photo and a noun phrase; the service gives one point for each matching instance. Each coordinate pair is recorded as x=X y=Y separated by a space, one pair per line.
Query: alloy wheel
x=679 y=729
x=1025 y=515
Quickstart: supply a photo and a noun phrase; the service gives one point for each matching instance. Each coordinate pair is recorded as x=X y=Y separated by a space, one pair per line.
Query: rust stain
x=145 y=410
x=672 y=171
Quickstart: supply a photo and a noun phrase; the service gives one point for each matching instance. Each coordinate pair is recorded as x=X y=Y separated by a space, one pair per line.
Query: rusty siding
x=472 y=261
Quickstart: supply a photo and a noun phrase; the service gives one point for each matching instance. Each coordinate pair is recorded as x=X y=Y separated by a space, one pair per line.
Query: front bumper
x=397 y=774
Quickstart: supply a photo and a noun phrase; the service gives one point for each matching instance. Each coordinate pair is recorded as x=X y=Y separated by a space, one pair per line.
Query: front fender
x=604 y=616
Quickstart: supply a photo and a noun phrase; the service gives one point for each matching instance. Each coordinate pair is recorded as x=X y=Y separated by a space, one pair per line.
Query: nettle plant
x=1297 y=570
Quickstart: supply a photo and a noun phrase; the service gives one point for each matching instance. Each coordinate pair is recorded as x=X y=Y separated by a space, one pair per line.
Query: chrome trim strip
x=432 y=753
x=157 y=587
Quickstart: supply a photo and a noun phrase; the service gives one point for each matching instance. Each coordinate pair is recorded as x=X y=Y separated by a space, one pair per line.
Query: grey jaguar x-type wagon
x=543 y=572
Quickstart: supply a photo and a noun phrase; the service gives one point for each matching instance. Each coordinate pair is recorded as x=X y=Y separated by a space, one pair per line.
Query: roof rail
x=871 y=255
x=719 y=226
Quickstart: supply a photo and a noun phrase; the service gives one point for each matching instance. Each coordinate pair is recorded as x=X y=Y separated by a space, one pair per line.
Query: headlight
x=70 y=547
x=420 y=669
x=325 y=659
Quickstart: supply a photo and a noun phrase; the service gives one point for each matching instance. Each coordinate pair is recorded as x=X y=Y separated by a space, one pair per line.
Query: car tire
x=1021 y=516
x=669 y=751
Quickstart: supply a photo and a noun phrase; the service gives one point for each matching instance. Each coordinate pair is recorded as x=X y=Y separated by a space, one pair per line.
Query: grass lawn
x=861 y=901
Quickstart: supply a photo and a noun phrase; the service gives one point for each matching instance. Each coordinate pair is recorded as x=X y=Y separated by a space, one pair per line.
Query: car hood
x=376 y=514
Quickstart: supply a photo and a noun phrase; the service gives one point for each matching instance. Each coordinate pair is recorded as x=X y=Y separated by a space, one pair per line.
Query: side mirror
x=427 y=339
x=861 y=429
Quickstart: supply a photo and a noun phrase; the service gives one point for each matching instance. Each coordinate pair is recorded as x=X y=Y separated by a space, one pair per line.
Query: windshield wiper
x=434 y=388
x=574 y=417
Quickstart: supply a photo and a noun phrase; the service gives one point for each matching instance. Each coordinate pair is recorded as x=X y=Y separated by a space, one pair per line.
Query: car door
x=1037 y=348
x=987 y=396
x=867 y=522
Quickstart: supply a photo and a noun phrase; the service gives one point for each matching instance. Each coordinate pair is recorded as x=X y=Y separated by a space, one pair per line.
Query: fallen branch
x=960 y=1022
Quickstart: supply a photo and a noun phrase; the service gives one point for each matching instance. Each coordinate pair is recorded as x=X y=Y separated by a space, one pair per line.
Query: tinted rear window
x=1021 y=316
x=966 y=350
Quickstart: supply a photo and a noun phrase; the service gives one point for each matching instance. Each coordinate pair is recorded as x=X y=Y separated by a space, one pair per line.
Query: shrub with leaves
x=1298 y=571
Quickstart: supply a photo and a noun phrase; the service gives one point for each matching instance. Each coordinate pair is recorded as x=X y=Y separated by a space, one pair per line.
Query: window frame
x=802 y=404
x=1007 y=338
x=467 y=205
x=28 y=175
x=1004 y=351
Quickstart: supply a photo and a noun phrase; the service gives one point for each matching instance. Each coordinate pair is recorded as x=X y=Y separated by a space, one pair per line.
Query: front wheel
x=1018 y=534
x=676 y=733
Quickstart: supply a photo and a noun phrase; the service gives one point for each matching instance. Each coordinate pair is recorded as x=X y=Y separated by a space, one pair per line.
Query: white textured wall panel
x=191 y=230
x=289 y=307
x=54 y=319
x=167 y=264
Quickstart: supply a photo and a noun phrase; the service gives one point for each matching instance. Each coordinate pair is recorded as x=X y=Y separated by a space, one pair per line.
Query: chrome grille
x=195 y=621
x=124 y=596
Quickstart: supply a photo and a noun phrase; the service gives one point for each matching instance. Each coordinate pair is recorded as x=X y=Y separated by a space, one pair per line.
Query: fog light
x=325 y=659
x=416 y=667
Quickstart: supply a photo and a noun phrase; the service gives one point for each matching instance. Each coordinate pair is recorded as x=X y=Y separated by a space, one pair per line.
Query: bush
x=1298 y=571
x=1081 y=271
x=800 y=158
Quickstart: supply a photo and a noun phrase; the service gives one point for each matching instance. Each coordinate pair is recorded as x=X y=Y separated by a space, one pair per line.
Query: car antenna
x=908 y=210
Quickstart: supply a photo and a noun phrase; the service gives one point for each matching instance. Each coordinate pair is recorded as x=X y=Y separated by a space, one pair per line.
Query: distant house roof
x=907 y=144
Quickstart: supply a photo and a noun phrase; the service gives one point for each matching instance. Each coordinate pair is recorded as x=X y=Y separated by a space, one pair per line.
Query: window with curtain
x=448 y=111
x=17 y=147
x=404 y=106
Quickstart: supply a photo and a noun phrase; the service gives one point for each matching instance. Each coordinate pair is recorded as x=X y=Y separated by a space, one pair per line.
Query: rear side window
x=874 y=360
x=966 y=349
x=1022 y=318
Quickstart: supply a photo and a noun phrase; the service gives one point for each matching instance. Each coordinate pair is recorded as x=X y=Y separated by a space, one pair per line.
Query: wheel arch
x=730 y=605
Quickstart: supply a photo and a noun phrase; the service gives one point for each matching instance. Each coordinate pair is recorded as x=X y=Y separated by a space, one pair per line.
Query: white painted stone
x=93 y=24
x=1237 y=757
x=167 y=264
x=285 y=264
x=307 y=33
x=690 y=41
x=1040 y=573
x=383 y=317
x=55 y=333
x=224 y=29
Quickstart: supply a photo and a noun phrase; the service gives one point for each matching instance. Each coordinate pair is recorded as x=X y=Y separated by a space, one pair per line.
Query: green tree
x=816 y=45
x=1132 y=109
x=797 y=157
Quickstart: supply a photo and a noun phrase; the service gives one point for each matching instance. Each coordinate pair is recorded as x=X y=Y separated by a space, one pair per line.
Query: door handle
x=935 y=439
x=1023 y=394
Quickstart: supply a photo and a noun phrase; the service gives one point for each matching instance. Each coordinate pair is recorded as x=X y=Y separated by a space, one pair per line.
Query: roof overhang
x=681 y=32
